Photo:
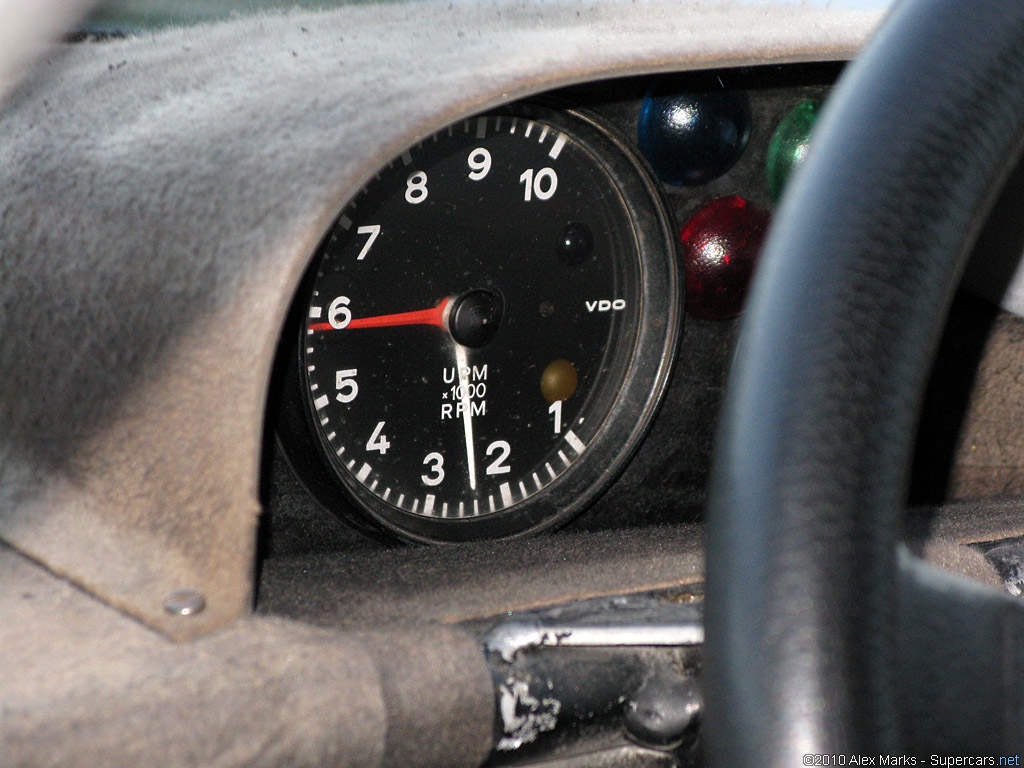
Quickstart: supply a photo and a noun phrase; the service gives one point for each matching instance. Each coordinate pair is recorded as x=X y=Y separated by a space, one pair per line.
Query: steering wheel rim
x=846 y=311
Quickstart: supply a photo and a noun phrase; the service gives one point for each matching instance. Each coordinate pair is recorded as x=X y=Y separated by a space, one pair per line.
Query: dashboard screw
x=665 y=712
x=186 y=602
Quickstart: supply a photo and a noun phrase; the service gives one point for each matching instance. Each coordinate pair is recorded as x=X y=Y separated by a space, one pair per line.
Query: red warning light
x=719 y=248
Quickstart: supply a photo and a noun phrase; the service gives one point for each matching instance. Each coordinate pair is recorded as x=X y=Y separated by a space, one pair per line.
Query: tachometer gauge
x=489 y=325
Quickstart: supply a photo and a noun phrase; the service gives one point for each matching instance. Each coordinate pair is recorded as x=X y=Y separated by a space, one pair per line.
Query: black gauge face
x=489 y=325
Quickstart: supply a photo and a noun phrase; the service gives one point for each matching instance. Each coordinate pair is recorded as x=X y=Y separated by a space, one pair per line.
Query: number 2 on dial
x=498 y=466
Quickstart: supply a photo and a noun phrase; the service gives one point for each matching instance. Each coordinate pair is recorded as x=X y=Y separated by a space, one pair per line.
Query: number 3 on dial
x=436 y=463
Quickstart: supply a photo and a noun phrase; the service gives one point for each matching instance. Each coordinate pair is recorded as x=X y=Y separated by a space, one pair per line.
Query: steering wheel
x=824 y=635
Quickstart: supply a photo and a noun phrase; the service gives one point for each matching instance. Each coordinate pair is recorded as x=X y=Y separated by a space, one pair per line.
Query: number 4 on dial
x=377 y=441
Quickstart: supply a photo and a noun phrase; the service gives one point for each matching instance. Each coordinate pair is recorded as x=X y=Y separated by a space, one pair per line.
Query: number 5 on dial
x=345 y=383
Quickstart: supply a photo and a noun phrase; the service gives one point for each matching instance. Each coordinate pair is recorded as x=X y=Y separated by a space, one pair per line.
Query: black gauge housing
x=486 y=331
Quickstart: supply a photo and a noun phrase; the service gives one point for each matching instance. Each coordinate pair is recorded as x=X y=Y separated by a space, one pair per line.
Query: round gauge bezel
x=624 y=425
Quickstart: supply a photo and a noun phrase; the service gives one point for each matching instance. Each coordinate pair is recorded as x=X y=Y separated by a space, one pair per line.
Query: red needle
x=433 y=316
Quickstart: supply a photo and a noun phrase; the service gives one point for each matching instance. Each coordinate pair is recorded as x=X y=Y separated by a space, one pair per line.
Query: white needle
x=467 y=411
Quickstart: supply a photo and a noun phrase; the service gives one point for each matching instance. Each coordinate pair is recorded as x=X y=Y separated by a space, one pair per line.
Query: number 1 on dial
x=556 y=410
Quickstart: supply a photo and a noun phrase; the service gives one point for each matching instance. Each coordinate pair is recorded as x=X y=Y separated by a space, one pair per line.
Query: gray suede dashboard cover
x=161 y=196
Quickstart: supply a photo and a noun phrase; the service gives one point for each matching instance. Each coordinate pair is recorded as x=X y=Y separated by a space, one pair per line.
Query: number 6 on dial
x=339 y=315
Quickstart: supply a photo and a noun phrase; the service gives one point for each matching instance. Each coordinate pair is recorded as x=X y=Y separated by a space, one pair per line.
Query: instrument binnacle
x=489 y=326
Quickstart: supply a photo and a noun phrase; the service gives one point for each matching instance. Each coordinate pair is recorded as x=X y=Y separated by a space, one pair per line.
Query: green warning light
x=788 y=146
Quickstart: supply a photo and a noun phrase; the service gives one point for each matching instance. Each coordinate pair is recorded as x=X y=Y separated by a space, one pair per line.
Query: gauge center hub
x=475 y=317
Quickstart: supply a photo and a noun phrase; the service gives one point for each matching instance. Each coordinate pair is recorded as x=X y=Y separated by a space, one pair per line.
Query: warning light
x=558 y=381
x=720 y=243
x=693 y=138
x=788 y=146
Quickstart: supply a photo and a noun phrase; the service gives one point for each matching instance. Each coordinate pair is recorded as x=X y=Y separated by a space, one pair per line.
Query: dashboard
x=194 y=217
x=202 y=184
x=703 y=207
